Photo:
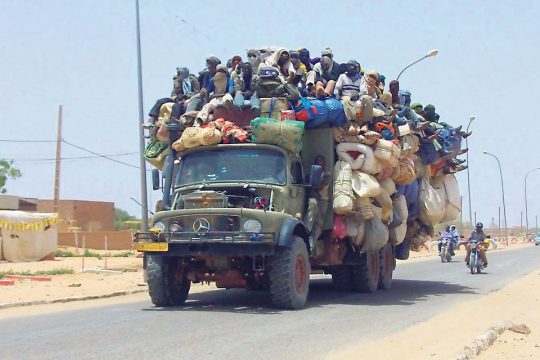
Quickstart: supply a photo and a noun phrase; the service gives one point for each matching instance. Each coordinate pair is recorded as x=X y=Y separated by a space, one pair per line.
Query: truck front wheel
x=365 y=277
x=167 y=283
x=289 y=272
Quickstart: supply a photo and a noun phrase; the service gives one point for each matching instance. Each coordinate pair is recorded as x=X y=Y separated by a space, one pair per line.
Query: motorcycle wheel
x=478 y=269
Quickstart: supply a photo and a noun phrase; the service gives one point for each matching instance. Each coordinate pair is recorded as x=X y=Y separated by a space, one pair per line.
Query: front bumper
x=209 y=244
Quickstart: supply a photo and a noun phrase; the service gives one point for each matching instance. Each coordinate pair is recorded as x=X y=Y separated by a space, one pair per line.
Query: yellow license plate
x=152 y=247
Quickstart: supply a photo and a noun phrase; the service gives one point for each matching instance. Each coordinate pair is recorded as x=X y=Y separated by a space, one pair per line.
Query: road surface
x=239 y=324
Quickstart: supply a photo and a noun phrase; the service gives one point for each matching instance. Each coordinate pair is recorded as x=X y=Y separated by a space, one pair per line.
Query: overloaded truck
x=241 y=215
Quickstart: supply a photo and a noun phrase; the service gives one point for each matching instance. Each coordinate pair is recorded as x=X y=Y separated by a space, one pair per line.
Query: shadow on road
x=322 y=293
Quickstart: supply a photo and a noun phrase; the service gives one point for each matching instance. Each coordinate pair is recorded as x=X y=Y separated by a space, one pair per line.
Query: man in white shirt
x=348 y=83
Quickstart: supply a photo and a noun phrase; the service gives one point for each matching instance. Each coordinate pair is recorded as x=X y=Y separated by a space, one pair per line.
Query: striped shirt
x=347 y=86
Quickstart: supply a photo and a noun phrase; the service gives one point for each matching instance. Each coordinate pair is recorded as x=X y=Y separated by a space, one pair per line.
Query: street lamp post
x=502 y=188
x=429 y=54
x=142 y=162
x=526 y=211
x=471 y=119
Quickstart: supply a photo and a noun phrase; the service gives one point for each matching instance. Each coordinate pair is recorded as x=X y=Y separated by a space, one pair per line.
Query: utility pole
x=58 y=155
x=142 y=161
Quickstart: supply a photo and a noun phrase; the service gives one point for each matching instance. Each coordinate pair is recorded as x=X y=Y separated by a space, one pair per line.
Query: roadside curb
x=484 y=341
x=71 y=299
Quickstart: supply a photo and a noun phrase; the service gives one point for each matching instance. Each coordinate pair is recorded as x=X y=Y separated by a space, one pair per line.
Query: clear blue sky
x=82 y=54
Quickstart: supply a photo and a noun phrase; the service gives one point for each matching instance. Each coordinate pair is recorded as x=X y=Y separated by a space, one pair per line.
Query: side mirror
x=315 y=176
x=155 y=179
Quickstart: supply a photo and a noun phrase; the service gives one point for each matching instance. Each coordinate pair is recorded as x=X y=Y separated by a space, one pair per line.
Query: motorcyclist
x=455 y=237
x=447 y=233
x=479 y=236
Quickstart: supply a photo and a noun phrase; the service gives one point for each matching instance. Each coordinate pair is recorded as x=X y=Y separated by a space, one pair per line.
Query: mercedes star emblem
x=201 y=226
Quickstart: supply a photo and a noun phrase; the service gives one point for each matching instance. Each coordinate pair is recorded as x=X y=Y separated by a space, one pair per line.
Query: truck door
x=297 y=190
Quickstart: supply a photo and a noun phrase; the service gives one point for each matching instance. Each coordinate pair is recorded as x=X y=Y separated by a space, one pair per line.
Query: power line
x=99 y=155
x=27 y=141
x=69 y=158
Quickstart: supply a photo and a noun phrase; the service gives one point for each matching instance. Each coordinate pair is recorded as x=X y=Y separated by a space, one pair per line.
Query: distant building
x=86 y=215
x=10 y=202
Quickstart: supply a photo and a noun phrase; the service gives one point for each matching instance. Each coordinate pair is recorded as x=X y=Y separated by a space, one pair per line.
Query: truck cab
x=238 y=218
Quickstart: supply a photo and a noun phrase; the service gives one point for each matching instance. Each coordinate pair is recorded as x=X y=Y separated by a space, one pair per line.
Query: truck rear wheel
x=288 y=273
x=167 y=283
x=365 y=277
x=386 y=260
x=342 y=278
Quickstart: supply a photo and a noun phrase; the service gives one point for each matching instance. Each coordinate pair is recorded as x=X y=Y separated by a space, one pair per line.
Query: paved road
x=239 y=324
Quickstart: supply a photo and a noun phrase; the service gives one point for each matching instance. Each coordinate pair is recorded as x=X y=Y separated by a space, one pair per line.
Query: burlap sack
x=376 y=235
x=365 y=162
x=448 y=189
x=385 y=201
x=343 y=200
x=286 y=134
x=431 y=204
x=363 y=205
x=397 y=233
x=210 y=135
x=365 y=185
x=191 y=137
x=387 y=152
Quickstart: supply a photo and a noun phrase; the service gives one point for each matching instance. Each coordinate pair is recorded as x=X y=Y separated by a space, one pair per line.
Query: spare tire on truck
x=167 y=282
x=288 y=273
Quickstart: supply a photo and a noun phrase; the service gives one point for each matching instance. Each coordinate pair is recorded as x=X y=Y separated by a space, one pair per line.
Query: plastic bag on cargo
x=387 y=152
x=336 y=115
x=376 y=235
x=340 y=231
x=448 y=189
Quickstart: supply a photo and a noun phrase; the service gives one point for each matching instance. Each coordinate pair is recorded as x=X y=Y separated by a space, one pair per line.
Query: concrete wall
x=116 y=240
x=88 y=215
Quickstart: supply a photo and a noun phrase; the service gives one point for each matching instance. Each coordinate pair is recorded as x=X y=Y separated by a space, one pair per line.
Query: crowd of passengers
x=268 y=73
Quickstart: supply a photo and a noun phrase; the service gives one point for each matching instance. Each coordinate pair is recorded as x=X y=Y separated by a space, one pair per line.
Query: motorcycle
x=475 y=261
x=445 y=249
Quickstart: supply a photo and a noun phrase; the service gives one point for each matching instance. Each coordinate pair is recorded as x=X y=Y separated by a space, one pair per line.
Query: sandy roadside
x=445 y=335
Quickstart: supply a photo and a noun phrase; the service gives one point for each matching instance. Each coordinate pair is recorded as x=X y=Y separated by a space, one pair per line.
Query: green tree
x=7 y=171
x=122 y=216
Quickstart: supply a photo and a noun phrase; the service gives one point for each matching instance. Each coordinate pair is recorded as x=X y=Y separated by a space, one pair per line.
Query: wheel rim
x=300 y=274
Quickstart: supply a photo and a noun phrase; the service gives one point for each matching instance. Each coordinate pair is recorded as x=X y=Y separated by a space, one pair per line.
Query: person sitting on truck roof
x=244 y=86
x=300 y=69
x=197 y=101
x=220 y=90
x=235 y=61
x=348 y=83
x=303 y=55
x=369 y=85
x=254 y=58
x=280 y=60
x=324 y=74
x=184 y=86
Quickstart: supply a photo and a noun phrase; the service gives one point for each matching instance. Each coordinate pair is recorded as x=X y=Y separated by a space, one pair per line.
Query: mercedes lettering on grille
x=201 y=226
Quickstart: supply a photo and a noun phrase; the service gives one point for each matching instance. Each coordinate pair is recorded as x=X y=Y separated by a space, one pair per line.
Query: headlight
x=175 y=227
x=252 y=226
x=160 y=226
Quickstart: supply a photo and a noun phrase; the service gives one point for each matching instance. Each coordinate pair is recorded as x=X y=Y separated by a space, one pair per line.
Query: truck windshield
x=236 y=165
